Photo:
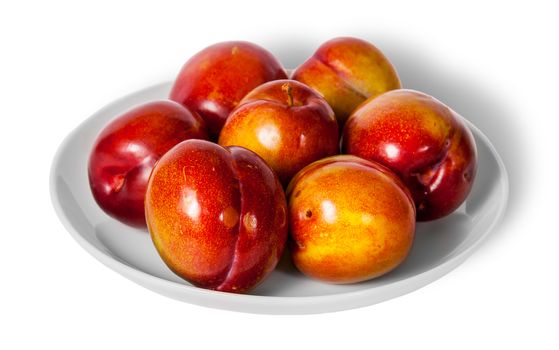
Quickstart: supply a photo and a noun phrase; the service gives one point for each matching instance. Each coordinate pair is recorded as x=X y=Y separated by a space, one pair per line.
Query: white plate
x=439 y=246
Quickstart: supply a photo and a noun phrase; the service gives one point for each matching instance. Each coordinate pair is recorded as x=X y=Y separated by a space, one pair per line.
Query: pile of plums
x=242 y=159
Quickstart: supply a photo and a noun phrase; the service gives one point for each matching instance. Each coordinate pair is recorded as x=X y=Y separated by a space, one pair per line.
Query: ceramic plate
x=439 y=246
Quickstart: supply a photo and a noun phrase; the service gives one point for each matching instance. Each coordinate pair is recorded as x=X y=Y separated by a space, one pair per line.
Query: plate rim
x=314 y=304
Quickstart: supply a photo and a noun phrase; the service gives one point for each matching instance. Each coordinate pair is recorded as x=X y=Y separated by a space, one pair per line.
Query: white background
x=497 y=65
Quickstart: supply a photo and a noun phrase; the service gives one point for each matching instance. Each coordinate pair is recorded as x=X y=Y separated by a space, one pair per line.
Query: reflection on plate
x=439 y=246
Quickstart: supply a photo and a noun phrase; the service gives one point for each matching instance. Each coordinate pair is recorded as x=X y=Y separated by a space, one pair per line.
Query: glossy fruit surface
x=347 y=71
x=286 y=123
x=423 y=141
x=217 y=216
x=215 y=80
x=127 y=149
x=350 y=220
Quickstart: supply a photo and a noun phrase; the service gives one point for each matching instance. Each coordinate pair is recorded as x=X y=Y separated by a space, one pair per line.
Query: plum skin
x=213 y=81
x=347 y=71
x=350 y=220
x=423 y=141
x=285 y=122
x=126 y=150
x=217 y=216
